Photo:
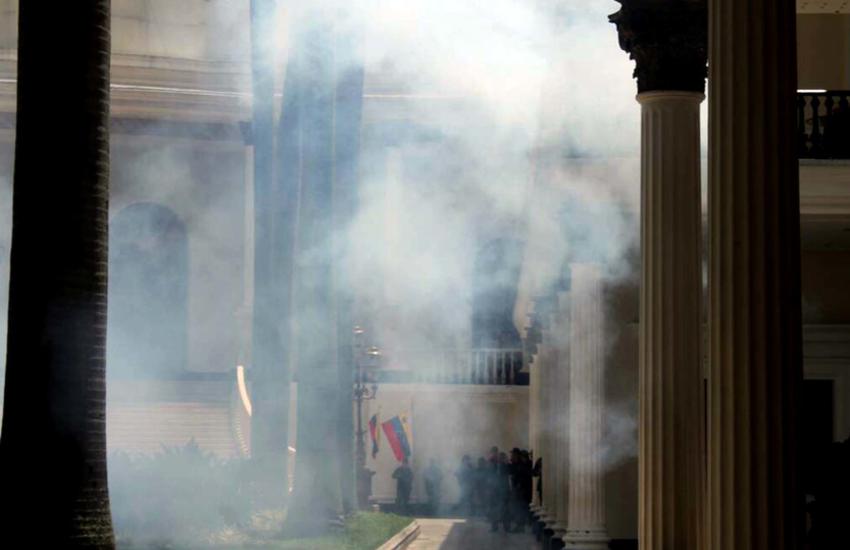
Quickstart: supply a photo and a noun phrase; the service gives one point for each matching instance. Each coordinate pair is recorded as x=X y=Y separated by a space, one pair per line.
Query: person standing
x=480 y=487
x=464 y=476
x=433 y=482
x=537 y=472
x=500 y=494
x=404 y=483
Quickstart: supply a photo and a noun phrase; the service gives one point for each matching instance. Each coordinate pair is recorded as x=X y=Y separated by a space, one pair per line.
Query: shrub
x=180 y=494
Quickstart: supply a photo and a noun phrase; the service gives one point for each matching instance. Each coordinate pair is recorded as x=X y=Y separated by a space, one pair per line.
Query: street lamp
x=366 y=362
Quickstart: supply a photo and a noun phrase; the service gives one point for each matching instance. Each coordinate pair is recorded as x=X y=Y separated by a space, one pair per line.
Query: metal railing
x=484 y=366
x=823 y=124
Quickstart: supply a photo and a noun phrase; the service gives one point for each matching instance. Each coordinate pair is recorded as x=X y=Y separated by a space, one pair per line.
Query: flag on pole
x=408 y=430
x=375 y=434
x=397 y=431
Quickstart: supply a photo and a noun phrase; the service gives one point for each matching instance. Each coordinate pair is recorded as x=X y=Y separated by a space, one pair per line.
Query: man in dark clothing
x=433 y=481
x=520 y=470
x=404 y=483
x=500 y=494
x=526 y=484
x=465 y=475
x=518 y=504
x=538 y=473
x=481 y=487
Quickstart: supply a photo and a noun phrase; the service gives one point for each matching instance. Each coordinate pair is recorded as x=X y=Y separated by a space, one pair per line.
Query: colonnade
x=717 y=452
x=567 y=413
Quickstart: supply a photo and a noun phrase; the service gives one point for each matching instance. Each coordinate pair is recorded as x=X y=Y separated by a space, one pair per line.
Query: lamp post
x=365 y=388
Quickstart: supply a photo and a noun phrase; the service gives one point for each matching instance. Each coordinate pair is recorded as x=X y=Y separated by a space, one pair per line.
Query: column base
x=546 y=539
x=586 y=540
x=557 y=542
x=537 y=527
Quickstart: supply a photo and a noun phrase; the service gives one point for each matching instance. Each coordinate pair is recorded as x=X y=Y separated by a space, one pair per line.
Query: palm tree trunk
x=275 y=203
x=309 y=95
x=53 y=444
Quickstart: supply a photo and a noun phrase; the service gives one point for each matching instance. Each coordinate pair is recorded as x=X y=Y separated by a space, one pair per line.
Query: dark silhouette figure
x=537 y=472
x=520 y=476
x=500 y=494
x=481 y=479
x=830 y=509
x=465 y=475
x=433 y=482
x=404 y=483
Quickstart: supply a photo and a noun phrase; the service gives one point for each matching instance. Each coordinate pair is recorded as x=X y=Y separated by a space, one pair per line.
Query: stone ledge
x=403 y=538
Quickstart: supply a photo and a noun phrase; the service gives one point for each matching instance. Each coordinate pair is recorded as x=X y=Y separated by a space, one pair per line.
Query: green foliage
x=185 y=499
x=179 y=495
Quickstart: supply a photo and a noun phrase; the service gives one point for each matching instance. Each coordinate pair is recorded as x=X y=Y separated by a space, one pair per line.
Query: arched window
x=148 y=302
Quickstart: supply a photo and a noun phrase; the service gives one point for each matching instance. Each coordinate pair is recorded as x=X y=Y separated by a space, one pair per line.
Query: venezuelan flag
x=397 y=429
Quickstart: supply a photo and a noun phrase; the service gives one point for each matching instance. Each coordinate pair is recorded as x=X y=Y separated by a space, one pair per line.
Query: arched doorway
x=148 y=301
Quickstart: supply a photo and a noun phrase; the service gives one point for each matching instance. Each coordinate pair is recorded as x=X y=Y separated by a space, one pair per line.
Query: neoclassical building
x=674 y=390
x=182 y=249
x=734 y=337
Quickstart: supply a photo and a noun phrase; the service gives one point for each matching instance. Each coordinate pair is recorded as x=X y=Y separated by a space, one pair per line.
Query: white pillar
x=555 y=418
x=670 y=464
x=755 y=346
x=667 y=40
x=547 y=427
x=561 y=328
x=534 y=419
x=586 y=529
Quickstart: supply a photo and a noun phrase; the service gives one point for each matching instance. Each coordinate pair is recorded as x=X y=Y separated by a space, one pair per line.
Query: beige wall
x=825 y=278
x=187 y=29
x=204 y=186
x=823 y=51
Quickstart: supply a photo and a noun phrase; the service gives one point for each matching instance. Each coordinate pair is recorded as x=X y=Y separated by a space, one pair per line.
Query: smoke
x=506 y=121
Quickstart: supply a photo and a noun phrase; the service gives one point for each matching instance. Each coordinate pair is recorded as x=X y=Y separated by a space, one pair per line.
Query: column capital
x=668 y=39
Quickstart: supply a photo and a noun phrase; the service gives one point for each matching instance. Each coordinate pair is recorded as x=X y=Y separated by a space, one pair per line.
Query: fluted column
x=534 y=419
x=586 y=529
x=548 y=426
x=668 y=42
x=561 y=328
x=754 y=501
x=555 y=519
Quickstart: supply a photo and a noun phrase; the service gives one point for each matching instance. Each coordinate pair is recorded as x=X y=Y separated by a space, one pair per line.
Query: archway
x=148 y=298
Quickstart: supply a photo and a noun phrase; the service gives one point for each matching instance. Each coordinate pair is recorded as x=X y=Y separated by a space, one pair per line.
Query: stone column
x=561 y=327
x=586 y=528
x=755 y=365
x=547 y=426
x=533 y=417
x=668 y=42
x=555 y=519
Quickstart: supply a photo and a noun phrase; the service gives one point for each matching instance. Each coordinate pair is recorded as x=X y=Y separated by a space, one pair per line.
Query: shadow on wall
x=148 y=293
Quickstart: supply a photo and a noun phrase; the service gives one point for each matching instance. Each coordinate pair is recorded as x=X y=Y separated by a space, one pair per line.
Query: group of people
x=498 y=487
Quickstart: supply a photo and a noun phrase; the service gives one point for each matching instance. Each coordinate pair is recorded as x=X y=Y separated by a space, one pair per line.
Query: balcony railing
x=491 y=366
x=823 y=124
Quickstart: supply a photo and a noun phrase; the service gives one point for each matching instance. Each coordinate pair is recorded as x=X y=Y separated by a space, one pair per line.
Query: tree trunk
x=309 y=95
x=275 y=202
x=53 y=444
x=347 y=121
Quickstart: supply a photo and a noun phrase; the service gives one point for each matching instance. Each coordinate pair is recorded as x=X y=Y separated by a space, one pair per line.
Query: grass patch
x=362 y=531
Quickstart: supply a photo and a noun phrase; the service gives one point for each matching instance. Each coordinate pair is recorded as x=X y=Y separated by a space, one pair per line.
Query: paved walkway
x=467 y=534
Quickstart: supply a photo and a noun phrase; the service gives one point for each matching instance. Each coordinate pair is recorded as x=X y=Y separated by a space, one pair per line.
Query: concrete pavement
x=467 y=534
